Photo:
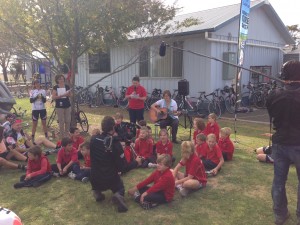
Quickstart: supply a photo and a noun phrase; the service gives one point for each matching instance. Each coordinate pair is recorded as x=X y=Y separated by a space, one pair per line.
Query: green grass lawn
x=239 y=194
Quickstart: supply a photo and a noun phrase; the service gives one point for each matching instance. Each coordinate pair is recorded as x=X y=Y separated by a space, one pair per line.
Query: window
x=153 y=65
x=99 y=62
x=256 y=78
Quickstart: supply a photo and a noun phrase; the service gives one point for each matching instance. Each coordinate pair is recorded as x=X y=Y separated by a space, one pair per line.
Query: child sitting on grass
x=144 y=147
x=164 y=145
x=212 y=127
x=194 y=177
x=85 y=170
x=141 y=123
x=264 y=154
x=213 y=160
x=67 y=159
x=199 y=127
x=201 y=145
x=162 y=191
x=77 y=140
x=38 y=169
x=226 y=144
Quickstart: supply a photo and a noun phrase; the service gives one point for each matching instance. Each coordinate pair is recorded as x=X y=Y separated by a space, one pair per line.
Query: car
x=6 y=99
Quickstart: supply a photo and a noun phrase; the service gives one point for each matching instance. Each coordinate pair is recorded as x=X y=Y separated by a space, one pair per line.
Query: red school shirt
x=64 y=157
x=164 y=148
x=162 y=182
x=136 y=103
x=196 y=132
x=87 y=161
x=227 y=147
x=212 y=129
x=201 y=150
x=195 y=167
x=78 y=141
x=144 y=147
x=214 y=154
x=38 y=167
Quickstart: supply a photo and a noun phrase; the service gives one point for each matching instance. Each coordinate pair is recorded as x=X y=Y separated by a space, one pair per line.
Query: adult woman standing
x=136 y=95
x=61 y=93
x=37 y=100
x=172 y=113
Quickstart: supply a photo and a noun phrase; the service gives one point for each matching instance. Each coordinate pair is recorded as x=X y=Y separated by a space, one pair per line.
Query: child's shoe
x=152 y=165
x=85 y=180
x=148 y=205
x=19 y=185
x=183 y=192
x=55 y=174
x=137 y=196
x=72 y=175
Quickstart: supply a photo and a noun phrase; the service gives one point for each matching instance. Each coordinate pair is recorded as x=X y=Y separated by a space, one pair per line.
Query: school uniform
x=212 y=158
x=226 y=147
x=162 y=191
x=86 y=172
x=144 y=148
x=64 y=158
x=201 y=150
x=196 y=132
x=195 y=168
x=212 y=129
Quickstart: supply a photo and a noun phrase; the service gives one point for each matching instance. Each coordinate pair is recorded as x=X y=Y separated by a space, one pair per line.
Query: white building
x=215 y=36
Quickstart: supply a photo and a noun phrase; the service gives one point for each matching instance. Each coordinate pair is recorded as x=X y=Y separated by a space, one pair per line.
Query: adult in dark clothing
x=284 y=108
x=107 y=160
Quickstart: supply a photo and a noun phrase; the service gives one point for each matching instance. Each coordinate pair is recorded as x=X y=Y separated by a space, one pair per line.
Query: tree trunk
x=4 y=70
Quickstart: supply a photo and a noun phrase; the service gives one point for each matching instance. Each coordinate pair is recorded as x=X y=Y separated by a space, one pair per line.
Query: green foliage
x=239 y=194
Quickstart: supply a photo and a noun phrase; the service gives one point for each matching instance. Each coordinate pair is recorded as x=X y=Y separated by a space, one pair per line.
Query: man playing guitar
x=169 y=106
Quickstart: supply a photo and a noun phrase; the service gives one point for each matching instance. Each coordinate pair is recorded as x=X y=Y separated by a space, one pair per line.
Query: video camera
x=126 y=131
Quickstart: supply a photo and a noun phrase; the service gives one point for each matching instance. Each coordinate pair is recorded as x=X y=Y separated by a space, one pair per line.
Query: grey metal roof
x=214 y=19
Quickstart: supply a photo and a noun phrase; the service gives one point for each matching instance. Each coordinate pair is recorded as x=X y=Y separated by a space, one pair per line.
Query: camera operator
x=107 y=160
x=284 y=108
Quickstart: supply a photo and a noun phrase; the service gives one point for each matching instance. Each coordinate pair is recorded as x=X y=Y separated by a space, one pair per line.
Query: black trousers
x=35 y=181
x=115 y=184
x=156 y=197
x=174 y=123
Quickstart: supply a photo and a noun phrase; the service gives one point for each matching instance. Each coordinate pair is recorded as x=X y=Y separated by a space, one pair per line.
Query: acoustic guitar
x=155 y=116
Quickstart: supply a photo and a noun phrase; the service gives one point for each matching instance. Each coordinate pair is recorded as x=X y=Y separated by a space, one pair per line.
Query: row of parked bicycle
x=218 y=101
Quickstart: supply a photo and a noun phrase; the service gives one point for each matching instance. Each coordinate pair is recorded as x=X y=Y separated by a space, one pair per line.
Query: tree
x=295 y=33
x=65 y=29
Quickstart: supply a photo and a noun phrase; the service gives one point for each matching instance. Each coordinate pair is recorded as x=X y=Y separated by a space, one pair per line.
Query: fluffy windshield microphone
x=162 y=49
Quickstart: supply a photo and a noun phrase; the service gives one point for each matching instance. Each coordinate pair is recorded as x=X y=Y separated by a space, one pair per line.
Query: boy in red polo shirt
x=144 y=147
x=199 y=127
x=38 y=169
x=85 y=170
x=201 y=146
x=214 y=158
x=77 y=140
x=67 y=159
x=162 y=191
x=212 y=127
x=195 y=176
x=226 y=144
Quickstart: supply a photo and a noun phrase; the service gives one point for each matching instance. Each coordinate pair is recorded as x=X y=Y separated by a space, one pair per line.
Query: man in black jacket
x=284 y=108
x=107 y=160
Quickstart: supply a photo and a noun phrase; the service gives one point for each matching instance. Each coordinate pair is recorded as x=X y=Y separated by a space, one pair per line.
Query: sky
x=287 y=10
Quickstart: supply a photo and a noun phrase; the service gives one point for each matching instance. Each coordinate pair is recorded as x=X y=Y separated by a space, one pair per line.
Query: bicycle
x=80 y=117
x=109 y=97
x=155 y=96
x=18 y=112
x=252 y=97
x=122 y=101
x=200 y=104
x=214 y=106
x=97 y=100
x=230 y=99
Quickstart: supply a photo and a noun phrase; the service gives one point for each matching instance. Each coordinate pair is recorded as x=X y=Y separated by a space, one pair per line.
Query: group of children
x=205 y=153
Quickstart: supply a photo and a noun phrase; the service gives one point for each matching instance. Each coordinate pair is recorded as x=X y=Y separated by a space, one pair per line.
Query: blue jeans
x=283 y=156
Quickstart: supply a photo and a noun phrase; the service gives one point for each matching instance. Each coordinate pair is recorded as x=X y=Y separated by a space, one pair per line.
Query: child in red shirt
x=67 y=159
x=38 y=169
x=226 y=144
x=214 y=158
x=144 y=147
x=77 y=140
x=162 y=191
x=212 y=126
x=199 y=127
x=195 y=176
x=201 y=146
x=164 y=145
x=141 y=123
x=85 y=170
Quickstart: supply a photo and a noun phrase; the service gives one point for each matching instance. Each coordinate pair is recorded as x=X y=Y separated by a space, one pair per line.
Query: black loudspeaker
x=183 y=87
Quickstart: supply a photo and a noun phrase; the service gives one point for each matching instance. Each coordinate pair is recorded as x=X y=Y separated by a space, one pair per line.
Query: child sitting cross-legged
x=144 y=147
x=212 y=127
x=38 y=169
x=85 y=170
x=195 y=176
x=226 y=144
x=213 y=160
x=162 y=191
x=67 y=159
x=201 y=146
x=199 y=128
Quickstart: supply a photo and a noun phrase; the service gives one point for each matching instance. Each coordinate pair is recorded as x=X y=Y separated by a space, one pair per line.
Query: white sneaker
x=183 y=192
x=152 y=165
x=72 y=175
x=85 y=180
